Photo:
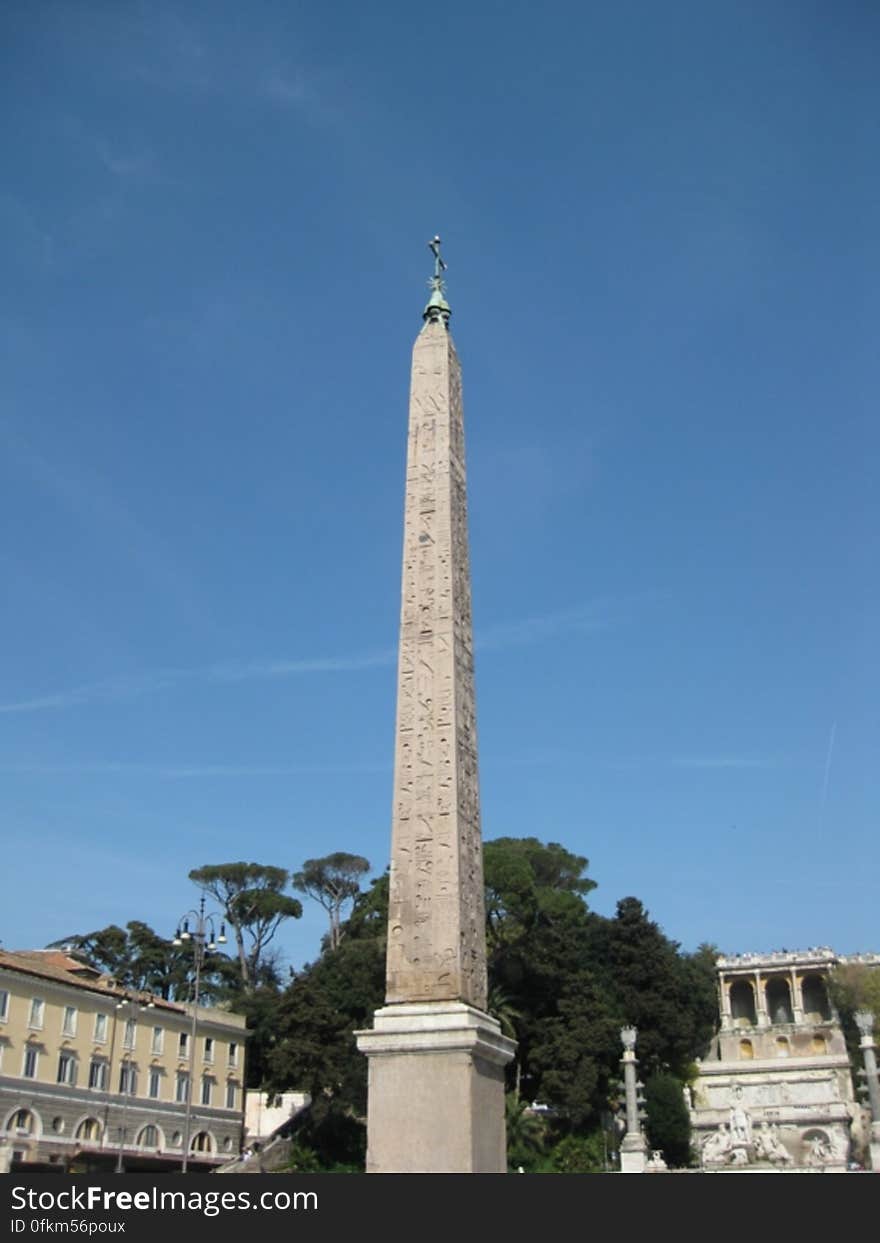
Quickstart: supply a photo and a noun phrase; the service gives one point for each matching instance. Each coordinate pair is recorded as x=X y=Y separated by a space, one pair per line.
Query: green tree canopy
x=254 y=904
x=332 y=881
x=852 y=987
x=669 y=997
x=529 y=883
x=139 y=959
x=856 y=986
x=668 y=1125
x=312 y=1041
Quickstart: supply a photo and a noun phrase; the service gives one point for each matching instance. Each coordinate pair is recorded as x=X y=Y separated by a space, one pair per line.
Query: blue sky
x=661 y=224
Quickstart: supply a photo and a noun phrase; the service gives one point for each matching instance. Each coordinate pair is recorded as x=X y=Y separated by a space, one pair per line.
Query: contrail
x=827 y=773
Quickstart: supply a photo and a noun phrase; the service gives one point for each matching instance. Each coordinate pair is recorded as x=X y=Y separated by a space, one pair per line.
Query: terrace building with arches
x=776 y=1087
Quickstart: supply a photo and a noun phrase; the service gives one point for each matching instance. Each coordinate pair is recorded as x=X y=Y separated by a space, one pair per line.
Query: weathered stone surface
x=776 y=1089
x=436 y=926
x=436 y=1059
x=436 y=1090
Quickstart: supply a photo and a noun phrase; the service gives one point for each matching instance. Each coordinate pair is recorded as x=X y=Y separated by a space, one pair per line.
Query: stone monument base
x=436 y=1090
x=633 y=1155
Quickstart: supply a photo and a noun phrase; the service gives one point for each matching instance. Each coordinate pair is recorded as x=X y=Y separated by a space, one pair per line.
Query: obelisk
x=436 y=1058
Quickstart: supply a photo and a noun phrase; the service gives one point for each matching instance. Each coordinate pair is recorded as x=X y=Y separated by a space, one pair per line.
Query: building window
x=128 y=1079
x=35 y=1019
x=181 y=1090
x=201 y=1143
x=66 y=1068
x=130 y=1033
x=98 y=1074
x=746 y=1050
x=231 y=1089
x=233 y=1053
x=100 y=1028
x=182 y=1044
x=207 y=1086
x=23 y=1122
x=31 y=1062
x=158 y=1040
x=783 y=1048
x=58 y=1125
x=155 y=1083
x=209 y=1048
x=68 y=1023
x=4 y=1005
x=149 y=1137
x=89 y=1130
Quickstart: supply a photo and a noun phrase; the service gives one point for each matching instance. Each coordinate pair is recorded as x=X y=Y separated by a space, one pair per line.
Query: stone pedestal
x=633 y=1154
x=441 y=1063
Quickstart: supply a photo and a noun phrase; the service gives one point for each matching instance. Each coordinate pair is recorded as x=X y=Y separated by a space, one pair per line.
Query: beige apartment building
x=94 y=1076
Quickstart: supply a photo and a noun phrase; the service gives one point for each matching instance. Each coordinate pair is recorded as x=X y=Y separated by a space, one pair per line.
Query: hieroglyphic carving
x=436 y=936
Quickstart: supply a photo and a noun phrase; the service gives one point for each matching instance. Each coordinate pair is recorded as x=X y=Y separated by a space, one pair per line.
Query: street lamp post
x=203 y=939
x=135 y=1007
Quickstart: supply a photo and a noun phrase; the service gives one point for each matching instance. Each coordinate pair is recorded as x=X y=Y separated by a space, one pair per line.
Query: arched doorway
x=742 y=1004
x=816 y=1007
x=779 y=1001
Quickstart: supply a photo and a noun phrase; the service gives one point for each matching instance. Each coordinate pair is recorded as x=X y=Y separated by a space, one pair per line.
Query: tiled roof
x=64 y=969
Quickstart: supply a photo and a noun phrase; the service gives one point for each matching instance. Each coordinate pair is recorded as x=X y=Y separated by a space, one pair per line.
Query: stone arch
x=778 y=994
x=742 y=1004
x=203 y=1141
x=746 y=1050
x=24 y=1122
x=816 y=1005
x=783 y=1047
x=88 y=1130
x=150 y=1136
x=819 y=1045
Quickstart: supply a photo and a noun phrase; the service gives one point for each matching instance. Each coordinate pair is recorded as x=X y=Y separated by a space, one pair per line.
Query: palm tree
x=500 y=1005
x=526 y=1131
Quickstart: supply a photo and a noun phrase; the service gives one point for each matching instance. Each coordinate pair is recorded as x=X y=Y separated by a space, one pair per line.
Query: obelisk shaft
x=435 y=1095
x=436 y=930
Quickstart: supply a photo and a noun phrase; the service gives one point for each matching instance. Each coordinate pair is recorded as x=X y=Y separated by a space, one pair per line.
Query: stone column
x=726 y=1016
x=633 y=1147
x=865 y=1024
x=762 y=1018
x=436 y=1058
x=797 y=1000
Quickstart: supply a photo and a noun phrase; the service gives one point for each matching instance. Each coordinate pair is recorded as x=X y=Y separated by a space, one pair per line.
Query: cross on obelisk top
x=439 y=261
x=438 y=309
